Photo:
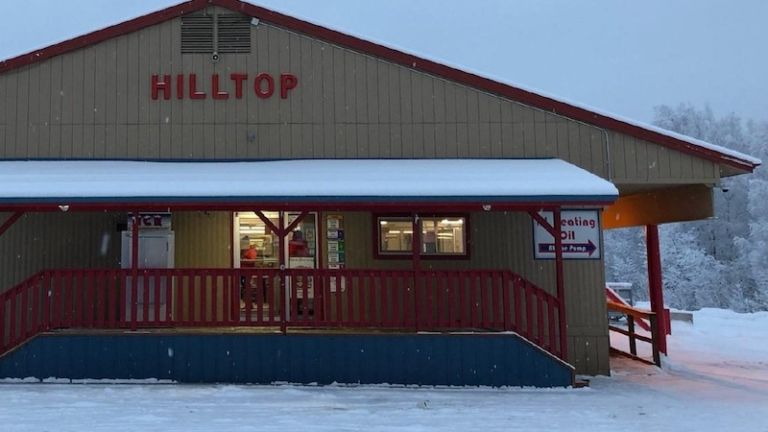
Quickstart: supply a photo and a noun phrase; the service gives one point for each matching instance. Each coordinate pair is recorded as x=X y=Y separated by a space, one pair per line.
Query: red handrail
x=429 y=300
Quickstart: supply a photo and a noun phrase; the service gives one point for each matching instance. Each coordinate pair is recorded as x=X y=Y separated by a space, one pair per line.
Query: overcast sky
x=622 y=56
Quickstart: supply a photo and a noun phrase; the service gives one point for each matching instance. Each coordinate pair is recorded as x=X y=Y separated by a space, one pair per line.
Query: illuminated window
x=440 y=235
x=395 y=235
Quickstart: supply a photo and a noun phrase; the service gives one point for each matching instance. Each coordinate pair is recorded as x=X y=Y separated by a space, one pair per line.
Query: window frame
x=379 y=254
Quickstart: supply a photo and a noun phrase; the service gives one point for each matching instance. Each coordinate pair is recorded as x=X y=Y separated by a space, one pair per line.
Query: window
x=395 y=235
x=441 y=235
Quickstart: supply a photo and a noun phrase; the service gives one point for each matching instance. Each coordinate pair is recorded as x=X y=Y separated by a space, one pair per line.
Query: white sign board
x=579 y=231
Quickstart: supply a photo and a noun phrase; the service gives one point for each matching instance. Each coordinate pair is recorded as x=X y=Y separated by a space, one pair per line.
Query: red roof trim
x=399 y=57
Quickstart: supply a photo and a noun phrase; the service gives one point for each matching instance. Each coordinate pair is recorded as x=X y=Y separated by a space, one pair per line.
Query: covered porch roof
x=339 y=183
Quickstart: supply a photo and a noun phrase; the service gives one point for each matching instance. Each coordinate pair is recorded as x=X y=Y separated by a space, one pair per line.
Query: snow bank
x=702 y=388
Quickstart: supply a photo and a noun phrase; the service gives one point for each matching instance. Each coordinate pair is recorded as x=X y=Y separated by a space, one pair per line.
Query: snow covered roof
x=320 y=180
x=496 y=86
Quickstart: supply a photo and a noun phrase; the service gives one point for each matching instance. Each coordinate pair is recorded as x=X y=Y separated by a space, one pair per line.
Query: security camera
x=215 y=56
x=725 y=189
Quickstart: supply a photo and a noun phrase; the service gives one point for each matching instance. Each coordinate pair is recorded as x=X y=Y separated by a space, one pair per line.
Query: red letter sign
x=287 y=82
x=215 y=92
x=193 y=93
x=269 y=91
x=163 y=85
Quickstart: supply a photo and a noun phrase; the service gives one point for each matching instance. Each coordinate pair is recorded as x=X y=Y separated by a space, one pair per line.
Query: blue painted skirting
x=420 y=359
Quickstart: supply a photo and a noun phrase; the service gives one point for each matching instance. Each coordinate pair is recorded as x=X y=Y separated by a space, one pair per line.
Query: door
x=156 y=251
x=300 y=249
x=259 y=248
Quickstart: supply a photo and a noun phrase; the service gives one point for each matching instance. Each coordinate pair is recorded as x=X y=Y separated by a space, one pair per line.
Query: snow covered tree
x=737 y=239
x=625 y=259
x=692 y=278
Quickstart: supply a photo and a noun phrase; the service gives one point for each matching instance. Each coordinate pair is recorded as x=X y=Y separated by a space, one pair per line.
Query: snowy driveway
x=716 y=380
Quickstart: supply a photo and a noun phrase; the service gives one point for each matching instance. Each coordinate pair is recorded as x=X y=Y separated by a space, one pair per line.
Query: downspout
x=608 y=165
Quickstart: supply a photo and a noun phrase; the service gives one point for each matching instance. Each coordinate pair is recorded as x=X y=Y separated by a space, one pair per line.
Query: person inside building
x=249 y=255
x=297 y=247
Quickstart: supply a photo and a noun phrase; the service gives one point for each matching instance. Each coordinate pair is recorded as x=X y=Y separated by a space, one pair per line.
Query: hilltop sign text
x=236 y=86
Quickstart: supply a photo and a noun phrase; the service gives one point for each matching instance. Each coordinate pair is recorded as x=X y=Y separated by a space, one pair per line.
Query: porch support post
x=416 y=242
x=655 y=284
x=560 y=285
x=283 y=285
x=134 y=271
x=10 y=221
x=135 y=241
x=416 y=264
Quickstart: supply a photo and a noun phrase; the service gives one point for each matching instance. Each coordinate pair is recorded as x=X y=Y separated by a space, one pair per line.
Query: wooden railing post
x=632 y=315
x=416 y=302
x=284 y=298
x=655 y=339
x=3 y=345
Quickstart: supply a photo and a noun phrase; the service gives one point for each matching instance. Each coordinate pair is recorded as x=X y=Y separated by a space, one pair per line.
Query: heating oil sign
x=579 y=231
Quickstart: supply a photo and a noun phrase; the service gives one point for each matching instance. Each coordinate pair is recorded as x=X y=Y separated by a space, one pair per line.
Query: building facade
x=225 y=81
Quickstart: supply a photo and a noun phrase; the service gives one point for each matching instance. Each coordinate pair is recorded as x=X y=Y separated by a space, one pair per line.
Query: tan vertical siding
x=40 y=241
x=203 y=239
x=634 y=161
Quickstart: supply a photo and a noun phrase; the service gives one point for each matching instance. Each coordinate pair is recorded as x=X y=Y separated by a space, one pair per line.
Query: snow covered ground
x=716 y=379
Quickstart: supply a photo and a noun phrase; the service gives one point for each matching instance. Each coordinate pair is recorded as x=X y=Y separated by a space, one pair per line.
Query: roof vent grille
x=197 y=34
x=220 y=33
x=234 y=34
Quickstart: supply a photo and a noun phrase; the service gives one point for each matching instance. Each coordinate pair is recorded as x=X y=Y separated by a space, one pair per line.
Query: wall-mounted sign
x=579 y=231
x=151 y=221
x=335 y=241
x=335 y=244
x=187 y=86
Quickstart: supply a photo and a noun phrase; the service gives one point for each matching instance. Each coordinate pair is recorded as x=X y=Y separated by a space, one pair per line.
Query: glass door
x=301 y=247
x=258 y=247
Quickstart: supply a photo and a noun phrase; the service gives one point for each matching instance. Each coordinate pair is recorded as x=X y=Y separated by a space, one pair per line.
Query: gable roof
x=538 y=100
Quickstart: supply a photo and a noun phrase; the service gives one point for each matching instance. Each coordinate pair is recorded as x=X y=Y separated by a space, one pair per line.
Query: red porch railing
x=488 y=300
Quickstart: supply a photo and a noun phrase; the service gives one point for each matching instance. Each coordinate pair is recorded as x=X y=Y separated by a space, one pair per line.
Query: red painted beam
x=543 y=222
x=416 y=242
x=134 y=287
x=10 y=221
x=560 y=286
x=271 y=226
x=655 y=282
x=296 y=222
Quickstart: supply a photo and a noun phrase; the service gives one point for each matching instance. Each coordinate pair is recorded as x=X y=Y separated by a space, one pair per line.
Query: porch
x=194 y=311
x=420 y=302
